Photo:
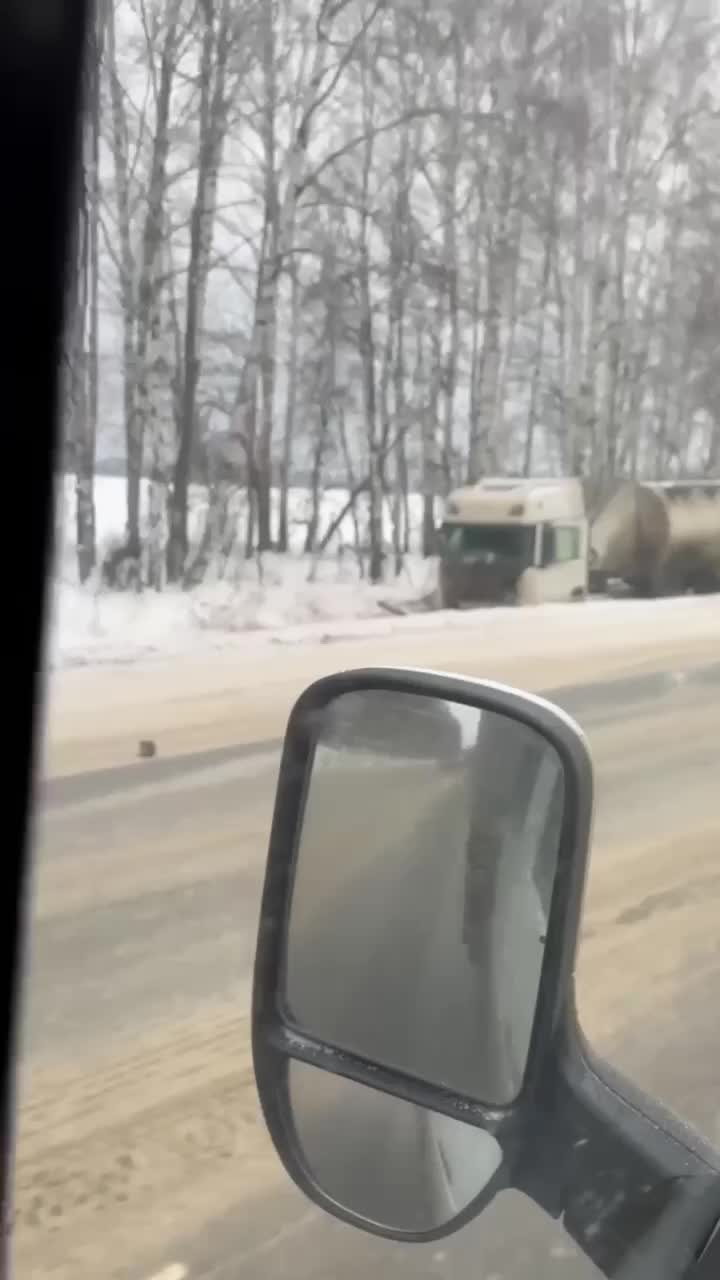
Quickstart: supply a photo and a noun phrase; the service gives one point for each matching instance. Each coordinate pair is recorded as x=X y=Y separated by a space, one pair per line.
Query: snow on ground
x=270 y=593
x=94 y=625
x=275 y=603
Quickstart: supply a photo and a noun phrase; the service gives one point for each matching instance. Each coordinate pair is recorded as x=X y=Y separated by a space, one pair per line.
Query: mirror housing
x=578 y=1140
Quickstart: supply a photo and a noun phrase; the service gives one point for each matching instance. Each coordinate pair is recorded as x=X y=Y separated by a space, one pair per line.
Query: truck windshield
x=511 y=541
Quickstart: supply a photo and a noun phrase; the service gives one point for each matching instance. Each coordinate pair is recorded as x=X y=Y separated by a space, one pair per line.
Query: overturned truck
x=657 y=539
x=522 y=541
x=510 y=540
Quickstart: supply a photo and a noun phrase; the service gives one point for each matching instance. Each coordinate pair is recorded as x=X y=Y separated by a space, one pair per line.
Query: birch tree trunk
x=290 y=412
x=212 y=126
x=160 y=428
x=128 y=294
x=150 y=280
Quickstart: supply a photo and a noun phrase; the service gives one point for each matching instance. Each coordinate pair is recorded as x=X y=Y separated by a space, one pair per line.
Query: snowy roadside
x=294 y=600
x=93 y=626
x=202 y=698
x=267 y=593
x=121 y=629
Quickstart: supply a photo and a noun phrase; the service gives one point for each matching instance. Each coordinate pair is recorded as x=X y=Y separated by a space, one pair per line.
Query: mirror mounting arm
x=636 y=1190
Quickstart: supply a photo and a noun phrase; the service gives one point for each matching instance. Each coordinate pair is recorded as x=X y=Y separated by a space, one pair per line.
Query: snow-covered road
x=242 y=691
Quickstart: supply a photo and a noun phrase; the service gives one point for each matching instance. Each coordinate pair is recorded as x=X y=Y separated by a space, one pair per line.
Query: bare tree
x=81 y=365
x=404 y=246
x=218 y=42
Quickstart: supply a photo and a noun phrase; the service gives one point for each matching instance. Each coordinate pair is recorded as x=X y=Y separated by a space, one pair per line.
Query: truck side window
x=547 y=545
x=567 y=543
x=560 y=544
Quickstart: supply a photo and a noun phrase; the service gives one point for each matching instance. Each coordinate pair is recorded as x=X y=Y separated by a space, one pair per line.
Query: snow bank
x=91 y=625
x=268 y=593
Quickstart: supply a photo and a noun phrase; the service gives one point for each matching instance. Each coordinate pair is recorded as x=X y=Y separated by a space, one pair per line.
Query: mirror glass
x=394 y=1164
x=424 y=872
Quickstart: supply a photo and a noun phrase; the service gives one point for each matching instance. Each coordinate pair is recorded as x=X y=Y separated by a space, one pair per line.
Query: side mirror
x=415 y=1040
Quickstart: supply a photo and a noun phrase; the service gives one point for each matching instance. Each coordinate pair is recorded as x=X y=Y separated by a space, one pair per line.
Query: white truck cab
x=514 y=541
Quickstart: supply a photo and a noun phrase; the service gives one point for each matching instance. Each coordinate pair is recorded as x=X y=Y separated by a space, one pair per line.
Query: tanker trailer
x=658 y=538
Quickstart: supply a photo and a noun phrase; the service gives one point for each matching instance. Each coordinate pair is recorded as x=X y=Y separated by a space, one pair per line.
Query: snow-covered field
x=271 y=593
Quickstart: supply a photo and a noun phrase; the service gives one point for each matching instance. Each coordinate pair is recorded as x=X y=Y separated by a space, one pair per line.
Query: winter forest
x=386 y=247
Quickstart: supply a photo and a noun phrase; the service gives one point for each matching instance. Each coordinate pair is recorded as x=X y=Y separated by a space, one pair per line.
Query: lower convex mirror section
x=398 y=1166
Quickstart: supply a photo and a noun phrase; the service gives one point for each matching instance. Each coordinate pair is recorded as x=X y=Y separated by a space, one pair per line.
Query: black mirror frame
x=275 y=1038
x=579 y=1140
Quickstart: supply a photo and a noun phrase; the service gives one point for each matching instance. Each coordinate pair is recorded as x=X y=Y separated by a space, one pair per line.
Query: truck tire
x=649 y=587
x=705 y=584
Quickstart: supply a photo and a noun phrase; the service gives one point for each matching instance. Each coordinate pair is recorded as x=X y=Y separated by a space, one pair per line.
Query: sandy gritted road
x=139 y=1146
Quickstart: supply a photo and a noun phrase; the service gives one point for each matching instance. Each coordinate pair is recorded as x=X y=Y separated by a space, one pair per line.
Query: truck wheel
x=705 y=584
x=649 y=587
